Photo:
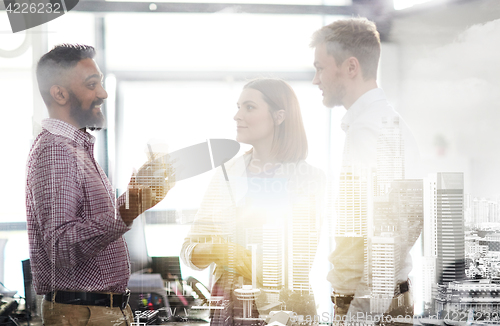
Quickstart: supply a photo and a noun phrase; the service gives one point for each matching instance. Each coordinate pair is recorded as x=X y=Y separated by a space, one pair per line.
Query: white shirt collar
x=362 y=104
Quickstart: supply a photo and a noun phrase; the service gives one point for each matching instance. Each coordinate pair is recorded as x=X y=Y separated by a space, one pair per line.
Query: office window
x=210 y=42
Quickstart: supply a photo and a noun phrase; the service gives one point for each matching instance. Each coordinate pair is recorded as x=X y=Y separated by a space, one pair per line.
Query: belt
x=340 y=299
x=90 y=298
x=344 y=299
x=402 y=288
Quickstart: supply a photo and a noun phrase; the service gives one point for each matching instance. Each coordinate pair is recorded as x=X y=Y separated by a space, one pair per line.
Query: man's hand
x=137 y=198
x=158 y=175
x=146 y=189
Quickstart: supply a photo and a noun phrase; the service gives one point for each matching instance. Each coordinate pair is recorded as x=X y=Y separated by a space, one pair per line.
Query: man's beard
x=332 y=99
x=335 y=94
x=86 y=118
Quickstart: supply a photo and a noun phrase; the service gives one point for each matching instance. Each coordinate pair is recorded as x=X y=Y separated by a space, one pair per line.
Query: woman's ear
x=279 y=117
x=59 y=94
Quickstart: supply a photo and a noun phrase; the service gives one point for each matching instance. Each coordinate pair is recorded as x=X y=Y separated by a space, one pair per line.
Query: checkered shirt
x=75 y=229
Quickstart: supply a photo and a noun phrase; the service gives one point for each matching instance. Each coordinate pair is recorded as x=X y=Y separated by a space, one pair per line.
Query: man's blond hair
x=354 y=37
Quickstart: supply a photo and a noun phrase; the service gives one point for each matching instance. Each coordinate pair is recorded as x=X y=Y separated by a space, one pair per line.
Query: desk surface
x=37 y=321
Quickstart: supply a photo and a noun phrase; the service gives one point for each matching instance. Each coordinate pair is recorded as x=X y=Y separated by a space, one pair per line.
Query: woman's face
x=254 y=123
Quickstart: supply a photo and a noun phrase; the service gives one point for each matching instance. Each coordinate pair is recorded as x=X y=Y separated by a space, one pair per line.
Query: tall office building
x=397 y=203
x=288 y=249
x=390 y=156
x=429 y=237
x=430 y=216
x=389 y=167
x=385 y=267
x=302 y=239
x=272 y=261
x=378 y=206
x=352 y=203
x=450 y=262
x=351 y=223
x=398 y=219
x=468 y=210
x=428 y=278
x=443 y=236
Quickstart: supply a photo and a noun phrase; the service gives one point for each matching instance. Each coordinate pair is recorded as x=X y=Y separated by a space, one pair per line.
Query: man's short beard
x=331 y=103
x=85 y=118
x=337 y=94
x=335 y=99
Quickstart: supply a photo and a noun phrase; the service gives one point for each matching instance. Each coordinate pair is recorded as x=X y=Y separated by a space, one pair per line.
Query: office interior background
x=174 y=72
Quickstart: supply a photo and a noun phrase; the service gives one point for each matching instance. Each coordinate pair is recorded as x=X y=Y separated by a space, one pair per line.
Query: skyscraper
x=398 y=219
x=352 y=204
x=381 y=211
x=352 y=222
x=272 y=261
x=288 y=249
x=443 y=237
x=450 y=263
x=303 y=240
x=385 y=267
x=429 y=236
x=390 y=156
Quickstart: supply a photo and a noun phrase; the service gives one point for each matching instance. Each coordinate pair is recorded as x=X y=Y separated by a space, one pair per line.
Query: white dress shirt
x=379 y=148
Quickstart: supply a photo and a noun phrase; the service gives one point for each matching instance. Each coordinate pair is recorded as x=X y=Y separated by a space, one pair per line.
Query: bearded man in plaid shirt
x=79 y=258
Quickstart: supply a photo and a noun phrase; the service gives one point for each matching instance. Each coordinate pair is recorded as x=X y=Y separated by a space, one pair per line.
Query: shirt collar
x=362 y=104
x=64 y=129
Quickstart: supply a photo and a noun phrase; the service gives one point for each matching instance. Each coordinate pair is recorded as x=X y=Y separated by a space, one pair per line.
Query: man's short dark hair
x=357 y=37
x=53 y=65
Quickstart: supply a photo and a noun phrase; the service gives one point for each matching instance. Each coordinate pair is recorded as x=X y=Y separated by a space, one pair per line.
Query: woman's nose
x=237 y=116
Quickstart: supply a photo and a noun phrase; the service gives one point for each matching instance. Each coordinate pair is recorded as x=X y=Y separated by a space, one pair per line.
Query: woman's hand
x=234 y=258
x=227 y=255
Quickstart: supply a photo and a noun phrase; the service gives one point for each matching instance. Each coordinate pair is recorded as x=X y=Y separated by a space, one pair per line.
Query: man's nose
x=102 y=93
x=315 y=80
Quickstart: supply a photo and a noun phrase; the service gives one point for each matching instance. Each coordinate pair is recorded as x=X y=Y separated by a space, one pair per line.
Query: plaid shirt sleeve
x=71 y=234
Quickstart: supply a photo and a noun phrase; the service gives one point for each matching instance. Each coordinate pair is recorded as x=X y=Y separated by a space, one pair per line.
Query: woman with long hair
x=260 y=219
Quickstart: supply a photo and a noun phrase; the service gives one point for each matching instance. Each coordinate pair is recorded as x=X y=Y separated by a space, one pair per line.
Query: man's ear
x=353 y=67
x=59 y=94
x=279 y=117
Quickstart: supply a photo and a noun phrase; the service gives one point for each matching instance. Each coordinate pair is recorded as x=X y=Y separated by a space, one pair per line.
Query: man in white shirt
x=379 y=150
